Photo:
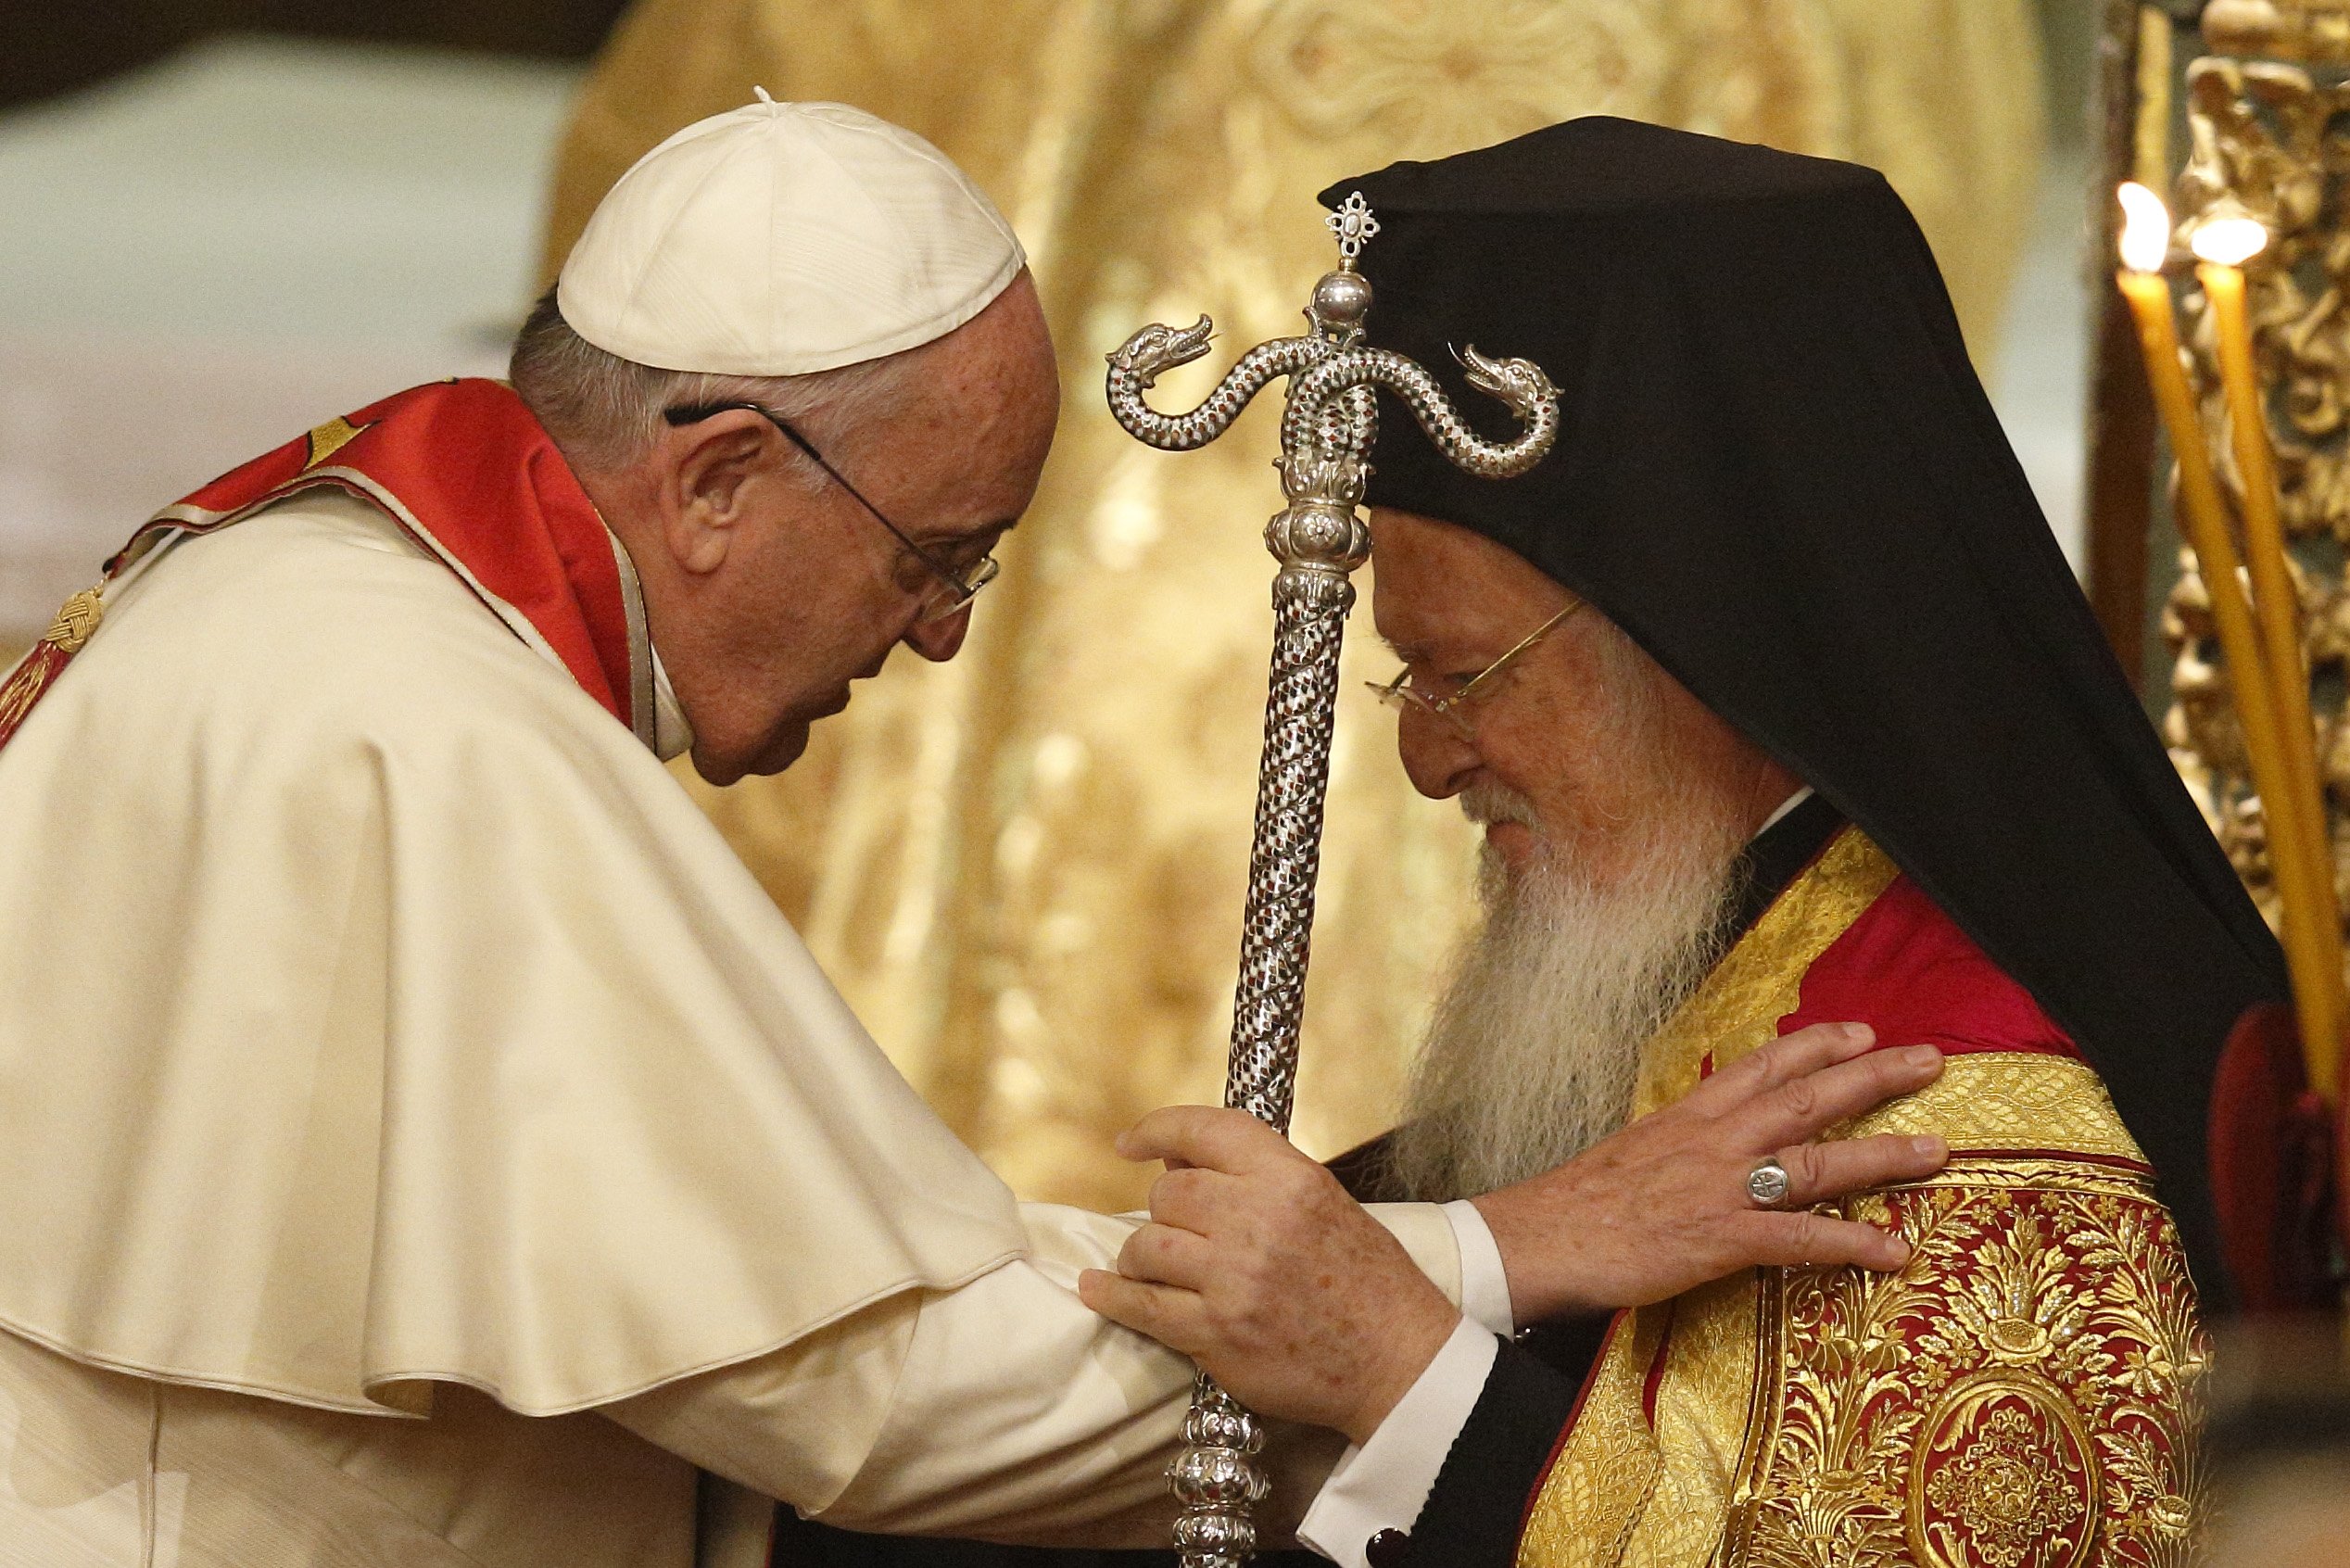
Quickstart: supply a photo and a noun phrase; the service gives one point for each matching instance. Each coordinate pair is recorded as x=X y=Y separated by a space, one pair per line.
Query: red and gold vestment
x=2022 y=1395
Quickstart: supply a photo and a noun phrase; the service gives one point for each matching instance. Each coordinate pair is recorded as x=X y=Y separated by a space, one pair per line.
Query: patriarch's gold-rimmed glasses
x=1455 y=706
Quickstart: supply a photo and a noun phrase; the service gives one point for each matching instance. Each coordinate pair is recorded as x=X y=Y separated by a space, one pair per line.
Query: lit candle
x=2223 y=242
x=2203 y=515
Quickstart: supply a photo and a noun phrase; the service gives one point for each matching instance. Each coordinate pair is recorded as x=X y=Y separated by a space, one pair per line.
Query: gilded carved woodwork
x=2266 y=131
x=2025 y=1393
x=2285 y=30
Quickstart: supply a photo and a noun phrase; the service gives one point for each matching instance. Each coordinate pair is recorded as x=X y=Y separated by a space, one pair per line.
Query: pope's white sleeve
x=1004 y=1409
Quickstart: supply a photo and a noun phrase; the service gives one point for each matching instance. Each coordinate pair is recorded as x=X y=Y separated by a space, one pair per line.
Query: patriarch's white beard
x=1533 y=1048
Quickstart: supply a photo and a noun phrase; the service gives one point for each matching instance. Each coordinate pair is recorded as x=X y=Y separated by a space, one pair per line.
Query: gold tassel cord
x=77 y=618
x=24 y=687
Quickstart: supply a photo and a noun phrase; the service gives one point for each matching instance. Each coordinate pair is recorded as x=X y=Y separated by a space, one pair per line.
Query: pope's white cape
x=378 y=1012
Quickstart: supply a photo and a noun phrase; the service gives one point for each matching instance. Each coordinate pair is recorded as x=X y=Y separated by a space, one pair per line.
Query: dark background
x=53 y=47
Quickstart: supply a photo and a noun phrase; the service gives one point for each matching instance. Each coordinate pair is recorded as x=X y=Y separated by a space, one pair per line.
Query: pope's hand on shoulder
x=1257 y=1265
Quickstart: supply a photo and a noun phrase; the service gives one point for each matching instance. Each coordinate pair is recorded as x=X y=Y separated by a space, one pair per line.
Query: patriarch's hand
x=1661 y=1207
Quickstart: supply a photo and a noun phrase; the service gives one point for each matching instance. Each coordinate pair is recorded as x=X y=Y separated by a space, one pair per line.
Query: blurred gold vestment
x=1025 y=868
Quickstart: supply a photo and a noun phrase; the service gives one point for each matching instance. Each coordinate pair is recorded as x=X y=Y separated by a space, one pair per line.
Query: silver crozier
x=1320 y=538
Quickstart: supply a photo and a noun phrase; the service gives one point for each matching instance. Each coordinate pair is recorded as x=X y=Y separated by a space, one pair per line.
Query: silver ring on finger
x=1767 y=1184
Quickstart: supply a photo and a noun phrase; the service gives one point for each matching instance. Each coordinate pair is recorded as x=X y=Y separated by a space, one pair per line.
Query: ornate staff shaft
x=1318 y=539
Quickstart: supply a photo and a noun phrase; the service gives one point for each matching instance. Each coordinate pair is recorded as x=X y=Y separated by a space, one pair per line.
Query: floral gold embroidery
x=2003 y=1476
x=1591 y=1505
x=2024 y=1395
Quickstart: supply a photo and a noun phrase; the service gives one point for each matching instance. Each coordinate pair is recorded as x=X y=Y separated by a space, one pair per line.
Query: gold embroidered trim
x=1621 y=1492
x=1600 y=1488
x=2010 y=1171
x=2009 y=1100
x=330 y=439
x=1737 y=1009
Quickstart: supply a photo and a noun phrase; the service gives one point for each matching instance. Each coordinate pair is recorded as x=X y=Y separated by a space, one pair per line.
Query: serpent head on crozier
x=1517 y=382
x=1156 y=348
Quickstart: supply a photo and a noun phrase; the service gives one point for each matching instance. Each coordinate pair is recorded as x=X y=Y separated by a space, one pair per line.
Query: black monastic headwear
x=1779 y=473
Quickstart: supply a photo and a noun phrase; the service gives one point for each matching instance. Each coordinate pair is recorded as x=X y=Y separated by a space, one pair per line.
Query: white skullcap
x=778 y=239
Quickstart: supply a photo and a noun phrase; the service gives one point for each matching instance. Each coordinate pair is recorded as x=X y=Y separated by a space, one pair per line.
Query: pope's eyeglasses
x=948 y=595
x=1454 y=706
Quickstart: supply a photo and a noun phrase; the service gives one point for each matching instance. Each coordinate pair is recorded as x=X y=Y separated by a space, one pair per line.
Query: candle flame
x=2229 y=241
x=2145 y=233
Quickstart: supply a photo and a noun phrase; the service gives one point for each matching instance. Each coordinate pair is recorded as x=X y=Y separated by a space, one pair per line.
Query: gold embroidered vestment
x=2022 y=1394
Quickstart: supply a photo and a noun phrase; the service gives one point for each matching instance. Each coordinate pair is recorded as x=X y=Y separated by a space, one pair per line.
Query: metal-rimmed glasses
x=948 y=595
x=1401 y=693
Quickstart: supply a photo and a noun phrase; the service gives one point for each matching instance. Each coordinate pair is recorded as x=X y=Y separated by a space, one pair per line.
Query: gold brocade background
x=1025 y=869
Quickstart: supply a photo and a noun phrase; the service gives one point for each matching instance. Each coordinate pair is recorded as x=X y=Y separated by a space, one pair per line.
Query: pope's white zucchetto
x=781 y=239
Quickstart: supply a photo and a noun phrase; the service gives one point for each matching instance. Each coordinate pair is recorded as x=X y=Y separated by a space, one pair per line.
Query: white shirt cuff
x=1384 y=1484
x=1485 y=1285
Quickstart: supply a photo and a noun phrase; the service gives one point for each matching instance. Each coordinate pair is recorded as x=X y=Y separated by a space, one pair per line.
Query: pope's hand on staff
x=1258 y=1265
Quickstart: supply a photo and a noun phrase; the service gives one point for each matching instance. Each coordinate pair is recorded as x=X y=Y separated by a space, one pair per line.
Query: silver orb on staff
x=1328 y=424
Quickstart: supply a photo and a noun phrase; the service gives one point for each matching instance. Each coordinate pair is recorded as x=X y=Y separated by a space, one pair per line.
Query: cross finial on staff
x=1353 y=224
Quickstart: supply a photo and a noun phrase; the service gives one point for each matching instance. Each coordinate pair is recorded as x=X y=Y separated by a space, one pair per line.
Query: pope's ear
x=712 y=464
